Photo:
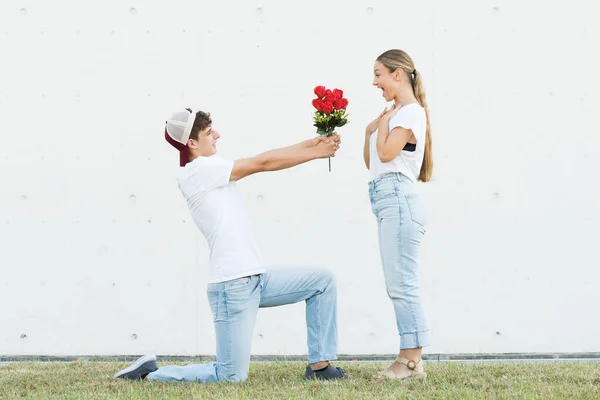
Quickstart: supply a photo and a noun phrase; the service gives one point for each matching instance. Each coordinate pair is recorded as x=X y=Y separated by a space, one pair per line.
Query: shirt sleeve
x=407 y=118
x=211 y=172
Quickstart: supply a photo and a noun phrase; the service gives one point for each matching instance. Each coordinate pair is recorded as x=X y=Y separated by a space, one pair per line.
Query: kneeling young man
x=238 y=283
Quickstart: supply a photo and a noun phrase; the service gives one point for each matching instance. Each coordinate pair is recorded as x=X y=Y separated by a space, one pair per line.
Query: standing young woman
x=397 y=152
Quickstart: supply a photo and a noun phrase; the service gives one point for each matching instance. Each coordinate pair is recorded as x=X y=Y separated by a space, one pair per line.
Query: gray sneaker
x=328 y=373
x=139 y=369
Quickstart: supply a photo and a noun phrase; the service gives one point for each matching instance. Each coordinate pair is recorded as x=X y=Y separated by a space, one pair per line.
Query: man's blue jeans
x=234 y=305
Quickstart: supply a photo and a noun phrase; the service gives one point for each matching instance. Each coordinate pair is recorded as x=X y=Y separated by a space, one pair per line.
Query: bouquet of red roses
x=330 y=111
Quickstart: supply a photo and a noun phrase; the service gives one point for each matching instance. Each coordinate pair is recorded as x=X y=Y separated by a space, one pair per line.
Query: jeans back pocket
x=417 y=209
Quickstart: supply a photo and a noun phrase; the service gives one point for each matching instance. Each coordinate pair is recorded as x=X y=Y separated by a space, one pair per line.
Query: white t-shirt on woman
x=411 y=116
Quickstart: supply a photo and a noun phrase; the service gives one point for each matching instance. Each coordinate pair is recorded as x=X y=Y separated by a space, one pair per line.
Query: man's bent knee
x=327 y=277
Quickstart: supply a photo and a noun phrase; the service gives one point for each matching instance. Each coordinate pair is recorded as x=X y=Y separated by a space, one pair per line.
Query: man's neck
x=193 y=155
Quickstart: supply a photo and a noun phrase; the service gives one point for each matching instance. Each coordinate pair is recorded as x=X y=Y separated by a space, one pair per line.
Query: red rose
x=338 y=93
x=340 y=103
x=318 y=104
x=329 y=96
x=320 y=91
x=327 y=107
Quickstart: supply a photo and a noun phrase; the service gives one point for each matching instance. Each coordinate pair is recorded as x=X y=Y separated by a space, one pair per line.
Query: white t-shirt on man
x=218 y=209
x=410 y=116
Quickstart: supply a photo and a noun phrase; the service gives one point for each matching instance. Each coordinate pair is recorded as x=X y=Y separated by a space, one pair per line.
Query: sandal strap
x=410 y=364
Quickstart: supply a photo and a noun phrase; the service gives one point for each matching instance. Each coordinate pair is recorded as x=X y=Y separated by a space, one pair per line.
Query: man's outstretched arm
x=286 y=157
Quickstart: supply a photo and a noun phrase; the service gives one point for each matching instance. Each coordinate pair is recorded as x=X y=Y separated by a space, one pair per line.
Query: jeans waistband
x=225 y=284
x=388 y=177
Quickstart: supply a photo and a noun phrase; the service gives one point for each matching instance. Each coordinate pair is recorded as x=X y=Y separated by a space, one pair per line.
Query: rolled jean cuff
x=415 y=340
x=314 y=360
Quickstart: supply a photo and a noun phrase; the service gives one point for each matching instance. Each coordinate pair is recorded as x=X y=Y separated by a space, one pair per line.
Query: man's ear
x=191 y=143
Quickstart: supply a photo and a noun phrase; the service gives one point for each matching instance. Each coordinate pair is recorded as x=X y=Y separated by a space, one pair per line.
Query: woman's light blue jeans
x=401 y=224
x=234 y=305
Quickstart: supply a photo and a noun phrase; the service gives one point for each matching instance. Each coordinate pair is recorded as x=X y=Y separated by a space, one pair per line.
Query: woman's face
x=385 y=80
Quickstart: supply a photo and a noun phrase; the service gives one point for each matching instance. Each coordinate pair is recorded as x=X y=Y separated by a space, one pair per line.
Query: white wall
x=96 y=243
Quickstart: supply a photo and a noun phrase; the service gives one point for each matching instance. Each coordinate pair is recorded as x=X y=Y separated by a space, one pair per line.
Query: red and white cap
x=177 y=132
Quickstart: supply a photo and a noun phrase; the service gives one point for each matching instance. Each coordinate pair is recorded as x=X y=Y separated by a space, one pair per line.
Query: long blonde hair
x=394 y=59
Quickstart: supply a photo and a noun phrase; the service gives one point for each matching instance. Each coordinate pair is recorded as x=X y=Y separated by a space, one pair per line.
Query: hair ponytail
x=419 y=90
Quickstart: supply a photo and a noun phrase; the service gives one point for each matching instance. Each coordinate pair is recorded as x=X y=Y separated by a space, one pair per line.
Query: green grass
x=93 y=380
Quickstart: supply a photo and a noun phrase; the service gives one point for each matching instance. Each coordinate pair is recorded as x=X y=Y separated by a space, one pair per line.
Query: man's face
x=206 y=144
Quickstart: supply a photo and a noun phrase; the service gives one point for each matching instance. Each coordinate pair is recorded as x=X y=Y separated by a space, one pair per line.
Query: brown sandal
x=410 y=364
